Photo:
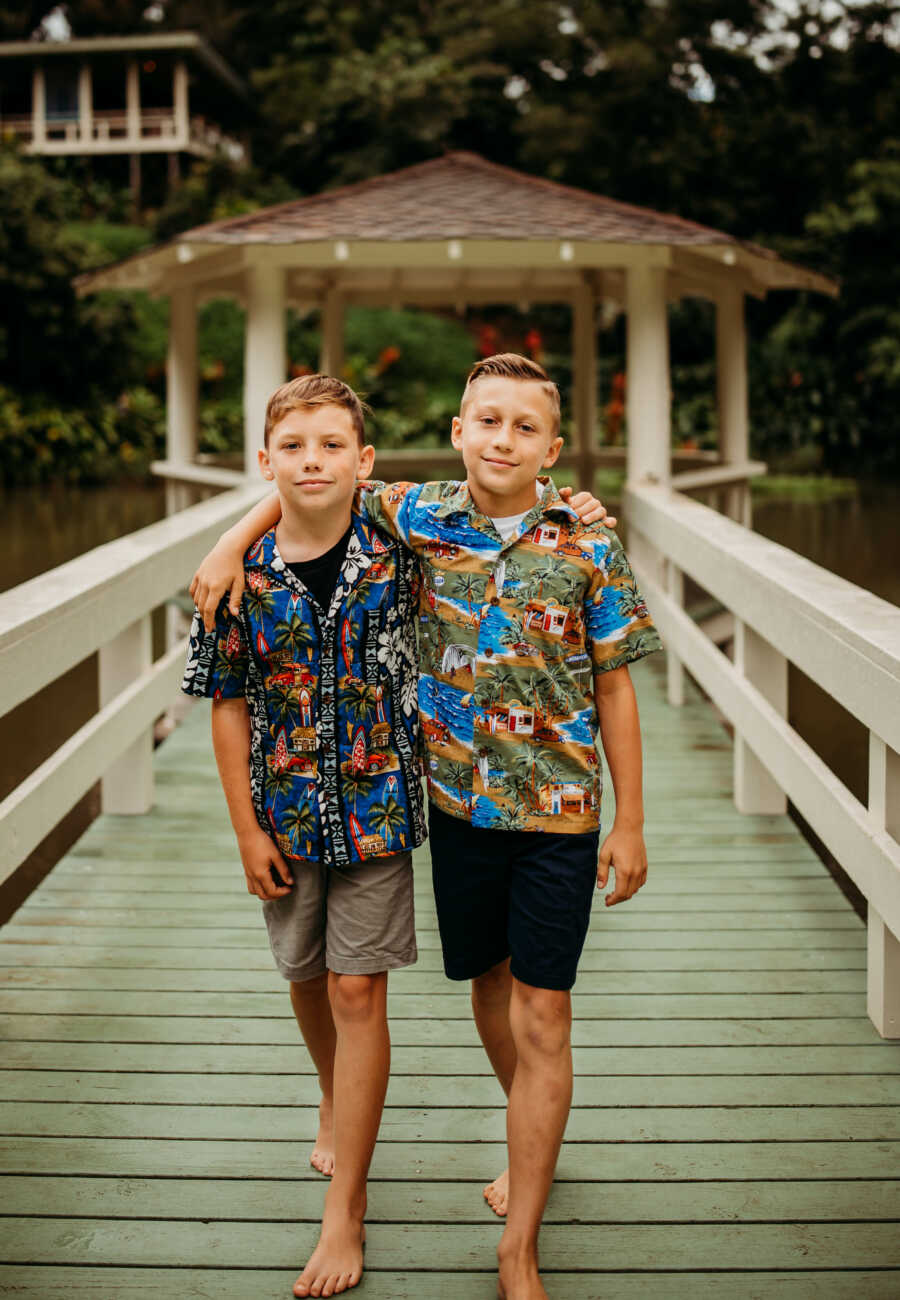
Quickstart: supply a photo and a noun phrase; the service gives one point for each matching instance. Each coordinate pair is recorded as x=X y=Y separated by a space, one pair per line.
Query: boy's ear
x=552 y=453
x=263 y=457
x=366 y=461
x=456 y=432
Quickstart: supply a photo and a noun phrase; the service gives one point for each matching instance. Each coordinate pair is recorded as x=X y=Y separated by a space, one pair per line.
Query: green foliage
x=43 y=319
x=217 y=188
x=41 y=441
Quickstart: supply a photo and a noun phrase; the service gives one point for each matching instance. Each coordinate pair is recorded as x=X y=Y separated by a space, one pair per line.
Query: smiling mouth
x=313 y=482
x=493 y=460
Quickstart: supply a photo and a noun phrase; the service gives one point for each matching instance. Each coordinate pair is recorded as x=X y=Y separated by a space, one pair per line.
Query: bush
x=40 y=442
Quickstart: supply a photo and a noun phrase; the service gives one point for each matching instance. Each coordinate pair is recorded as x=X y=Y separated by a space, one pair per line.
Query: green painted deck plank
x=261 y=1200
x=249 y=936
x=446 y=1089
x=441 y=1246
x=445 y=1006
x=479 y=1123
x=51 y=1283
x=246 y=918
x=416 y=980
x=581 y=1162
x=819 y=896
x=882 y=1058
x=22 y=959
x=739 y=1032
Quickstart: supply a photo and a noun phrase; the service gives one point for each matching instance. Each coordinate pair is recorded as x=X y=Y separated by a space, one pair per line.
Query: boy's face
x=315 y=460
x=505 y=434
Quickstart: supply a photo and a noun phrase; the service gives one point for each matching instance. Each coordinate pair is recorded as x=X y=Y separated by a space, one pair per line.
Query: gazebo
x=456 y=231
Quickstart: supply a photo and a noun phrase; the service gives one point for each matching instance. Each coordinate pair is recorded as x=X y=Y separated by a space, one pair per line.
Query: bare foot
x=497 y=1194
x=322 y=1157
x=518 y=1277
x=336 y=1264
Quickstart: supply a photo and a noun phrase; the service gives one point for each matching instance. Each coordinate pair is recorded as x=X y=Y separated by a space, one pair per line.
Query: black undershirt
x=321 y=574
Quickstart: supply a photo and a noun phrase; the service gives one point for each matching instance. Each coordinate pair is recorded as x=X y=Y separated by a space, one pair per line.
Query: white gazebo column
x=647 y=400
x=731 y=395
x=648 y=395
x=883 y=964
x=584 y=381
x=181 y=390
x=38 y=106
x=265 y=353
x=331 y=357
x=85 y=104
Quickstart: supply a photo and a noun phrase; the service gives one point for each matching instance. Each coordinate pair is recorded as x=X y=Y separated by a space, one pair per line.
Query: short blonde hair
x=315 y=390
x=509 y=365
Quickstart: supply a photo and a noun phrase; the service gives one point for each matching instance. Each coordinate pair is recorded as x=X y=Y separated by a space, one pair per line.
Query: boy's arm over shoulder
x=392 y=506
x=218 y=660
x=619 y=626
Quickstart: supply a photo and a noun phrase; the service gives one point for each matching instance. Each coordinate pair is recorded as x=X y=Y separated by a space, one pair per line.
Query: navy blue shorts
x=525 y=895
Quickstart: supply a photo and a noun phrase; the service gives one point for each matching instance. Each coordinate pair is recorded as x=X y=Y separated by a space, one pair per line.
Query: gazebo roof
x=458 y=196
x=458 y=214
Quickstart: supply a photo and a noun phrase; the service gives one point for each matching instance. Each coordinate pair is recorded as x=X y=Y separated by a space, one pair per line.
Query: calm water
x=857 y=537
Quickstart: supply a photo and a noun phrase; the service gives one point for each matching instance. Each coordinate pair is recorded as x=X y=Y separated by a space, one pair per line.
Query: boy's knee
x=540 y=1019
x=355 y=997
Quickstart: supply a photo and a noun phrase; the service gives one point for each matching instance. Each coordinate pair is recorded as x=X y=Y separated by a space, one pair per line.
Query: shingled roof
x=459 y=212
x=458 y=196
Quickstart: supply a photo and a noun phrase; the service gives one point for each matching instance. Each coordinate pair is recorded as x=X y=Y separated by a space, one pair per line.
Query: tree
x=42 y=316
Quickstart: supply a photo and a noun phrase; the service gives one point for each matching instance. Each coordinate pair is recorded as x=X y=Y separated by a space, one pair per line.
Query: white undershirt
x=506 y=525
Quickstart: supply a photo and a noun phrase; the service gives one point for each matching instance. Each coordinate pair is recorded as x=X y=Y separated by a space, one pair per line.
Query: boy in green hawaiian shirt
x=528 y=619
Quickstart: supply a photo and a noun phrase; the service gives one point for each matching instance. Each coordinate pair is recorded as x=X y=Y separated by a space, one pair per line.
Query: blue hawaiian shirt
x=334 y=769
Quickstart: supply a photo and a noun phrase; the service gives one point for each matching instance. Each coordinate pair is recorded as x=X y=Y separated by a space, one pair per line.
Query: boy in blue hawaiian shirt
x=529 y=617
x=314 y=725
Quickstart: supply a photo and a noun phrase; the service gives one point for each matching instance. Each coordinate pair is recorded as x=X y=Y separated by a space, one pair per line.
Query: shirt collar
x=264 y=552
x=459 y=501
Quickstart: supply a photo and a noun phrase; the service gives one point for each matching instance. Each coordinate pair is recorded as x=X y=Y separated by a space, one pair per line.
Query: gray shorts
x=357 y=920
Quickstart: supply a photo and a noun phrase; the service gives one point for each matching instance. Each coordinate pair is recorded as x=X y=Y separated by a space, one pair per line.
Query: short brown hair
x=315 y=390
x=509 y=365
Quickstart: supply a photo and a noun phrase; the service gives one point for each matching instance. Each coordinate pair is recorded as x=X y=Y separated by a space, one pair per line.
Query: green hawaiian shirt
x=512 y=636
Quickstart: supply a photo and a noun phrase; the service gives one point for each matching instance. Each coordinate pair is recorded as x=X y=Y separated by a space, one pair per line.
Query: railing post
x=883 y=964
x=674 y=666
x=755 y=790
x=128 y=785
x=38 y=107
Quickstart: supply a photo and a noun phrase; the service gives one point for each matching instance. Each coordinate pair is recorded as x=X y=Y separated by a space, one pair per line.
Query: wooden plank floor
x=736 y=1125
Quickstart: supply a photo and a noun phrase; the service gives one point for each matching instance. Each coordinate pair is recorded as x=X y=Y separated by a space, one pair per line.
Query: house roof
x=185 y=42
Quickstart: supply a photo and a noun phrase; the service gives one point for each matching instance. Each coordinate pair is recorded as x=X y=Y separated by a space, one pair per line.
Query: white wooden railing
x=847 y=640
x=101 y=602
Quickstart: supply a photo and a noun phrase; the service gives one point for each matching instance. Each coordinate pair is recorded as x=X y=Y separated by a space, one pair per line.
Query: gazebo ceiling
x=459 y=225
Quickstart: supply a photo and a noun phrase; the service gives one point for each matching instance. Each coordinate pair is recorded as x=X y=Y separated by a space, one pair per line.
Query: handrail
x=52 y=622
x=846 y=639
x=797 y=606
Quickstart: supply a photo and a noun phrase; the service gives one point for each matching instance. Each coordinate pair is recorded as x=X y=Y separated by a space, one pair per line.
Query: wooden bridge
x=736 y=1127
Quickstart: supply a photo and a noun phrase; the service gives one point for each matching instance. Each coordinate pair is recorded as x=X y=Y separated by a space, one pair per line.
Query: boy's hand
x=624 y=851
x=588 y=508
x=259 y=855
x=222 y=569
